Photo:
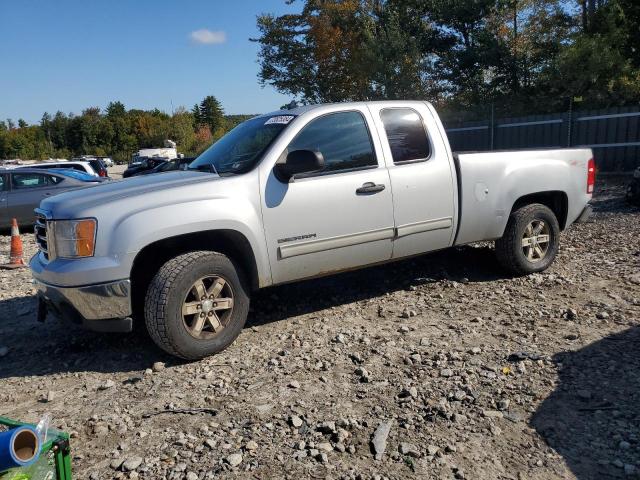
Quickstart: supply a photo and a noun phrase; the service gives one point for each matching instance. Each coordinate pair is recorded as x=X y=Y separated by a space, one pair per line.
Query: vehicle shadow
x=592 y=418
x=461 y=264
x=54 y=347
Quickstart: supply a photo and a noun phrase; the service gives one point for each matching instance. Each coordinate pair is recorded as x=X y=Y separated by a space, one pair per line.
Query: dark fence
x=612 y=133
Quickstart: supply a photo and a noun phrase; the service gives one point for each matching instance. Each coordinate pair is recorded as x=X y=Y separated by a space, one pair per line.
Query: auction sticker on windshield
x=284 y=119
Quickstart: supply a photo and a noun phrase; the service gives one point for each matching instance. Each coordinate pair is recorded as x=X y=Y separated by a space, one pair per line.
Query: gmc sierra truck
x=287 y=196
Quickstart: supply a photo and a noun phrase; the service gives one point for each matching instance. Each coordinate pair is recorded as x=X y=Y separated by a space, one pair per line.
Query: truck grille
x=40 y=230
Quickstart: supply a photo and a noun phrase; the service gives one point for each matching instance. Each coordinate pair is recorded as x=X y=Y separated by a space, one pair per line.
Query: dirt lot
x=473 y=374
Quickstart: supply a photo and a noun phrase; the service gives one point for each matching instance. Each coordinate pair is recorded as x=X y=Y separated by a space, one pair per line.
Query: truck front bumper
x=104 y=307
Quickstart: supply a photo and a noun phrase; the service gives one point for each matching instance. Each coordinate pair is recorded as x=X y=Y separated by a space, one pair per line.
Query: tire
x=510 y=249
x=174 y=288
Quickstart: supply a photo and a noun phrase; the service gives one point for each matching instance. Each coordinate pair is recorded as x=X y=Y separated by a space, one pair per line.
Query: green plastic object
x=55 y=457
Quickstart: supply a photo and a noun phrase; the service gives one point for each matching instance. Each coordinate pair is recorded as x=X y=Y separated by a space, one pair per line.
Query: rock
x=446 y=372
x=492 y=414
x=602 y=315
x=294 y=384
x=234 y=459
x=211 y=443
x=503 y=404
x=379 y=440
x=339 y=339
x=51 y=395
x=295 y=421
x=107 y=385
x=630 y=469
x=131 y=463
x=191 y=476
x=409 y=450
x=325 y=447
x=432 y=450
x=520 y=356
x=4 y=351
x=363 y=373
x=624 y=445
x=116 y=463
x=411 y=392
x=251 y=446
x=157 y=366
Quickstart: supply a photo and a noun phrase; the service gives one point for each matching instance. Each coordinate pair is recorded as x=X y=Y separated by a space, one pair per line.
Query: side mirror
x=298 y=161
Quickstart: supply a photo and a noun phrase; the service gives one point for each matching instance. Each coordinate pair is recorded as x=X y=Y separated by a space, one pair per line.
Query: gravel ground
x=436 y=367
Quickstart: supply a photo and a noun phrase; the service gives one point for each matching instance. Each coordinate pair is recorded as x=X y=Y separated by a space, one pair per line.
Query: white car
x=83 y=166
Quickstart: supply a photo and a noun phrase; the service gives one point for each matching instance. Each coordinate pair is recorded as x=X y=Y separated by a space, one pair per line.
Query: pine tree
x=211 y=114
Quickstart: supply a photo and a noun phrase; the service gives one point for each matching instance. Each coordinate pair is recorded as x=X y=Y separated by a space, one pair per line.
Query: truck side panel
x=492 y=182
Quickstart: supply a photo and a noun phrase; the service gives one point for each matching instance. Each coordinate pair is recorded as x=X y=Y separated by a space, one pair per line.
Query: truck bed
x=490 y=183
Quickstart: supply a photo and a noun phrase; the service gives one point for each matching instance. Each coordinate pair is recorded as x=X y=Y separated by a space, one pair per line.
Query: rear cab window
x=408 y=139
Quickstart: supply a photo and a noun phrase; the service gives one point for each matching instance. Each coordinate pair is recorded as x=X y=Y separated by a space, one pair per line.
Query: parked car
x=168 y=166
x=291 y=195
x=22 y=189
x=96 y=163
x=633 y=189
x=145 y=164
x=80 y=165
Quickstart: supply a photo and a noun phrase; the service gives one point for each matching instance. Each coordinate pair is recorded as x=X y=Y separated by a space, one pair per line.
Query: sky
x=68 y=55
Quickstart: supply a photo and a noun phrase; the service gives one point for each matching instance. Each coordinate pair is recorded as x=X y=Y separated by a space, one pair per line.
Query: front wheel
x=196 y=305
x=530 y=240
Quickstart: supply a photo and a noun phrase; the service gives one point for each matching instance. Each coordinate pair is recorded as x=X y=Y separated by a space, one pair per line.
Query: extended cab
x=291 y=195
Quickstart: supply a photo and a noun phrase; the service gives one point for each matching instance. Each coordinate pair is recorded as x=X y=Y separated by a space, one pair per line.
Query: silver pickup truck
x=292 y=195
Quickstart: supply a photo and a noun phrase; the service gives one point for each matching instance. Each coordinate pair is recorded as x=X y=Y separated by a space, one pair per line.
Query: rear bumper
x=104 y=307
x=586 y=214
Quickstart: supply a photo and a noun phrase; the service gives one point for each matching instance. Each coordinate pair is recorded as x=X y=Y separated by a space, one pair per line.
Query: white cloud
x=207 y=37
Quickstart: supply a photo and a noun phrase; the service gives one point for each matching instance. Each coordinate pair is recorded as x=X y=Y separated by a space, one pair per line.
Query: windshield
x=241 y=149
x=170 y=165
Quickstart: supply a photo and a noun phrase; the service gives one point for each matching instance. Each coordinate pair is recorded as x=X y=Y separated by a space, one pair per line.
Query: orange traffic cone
x=15 y=257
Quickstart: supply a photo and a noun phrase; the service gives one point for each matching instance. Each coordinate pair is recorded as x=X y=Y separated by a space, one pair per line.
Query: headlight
x=73 y=238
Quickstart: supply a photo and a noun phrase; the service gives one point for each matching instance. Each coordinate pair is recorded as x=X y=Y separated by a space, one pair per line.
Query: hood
x=109 y=193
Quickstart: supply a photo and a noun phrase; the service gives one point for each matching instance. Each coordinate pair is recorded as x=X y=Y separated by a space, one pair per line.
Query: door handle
x=370 y=187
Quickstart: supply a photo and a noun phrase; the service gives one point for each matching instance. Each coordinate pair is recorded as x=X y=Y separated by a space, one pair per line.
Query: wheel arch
x=149 y=259
x=556 y=200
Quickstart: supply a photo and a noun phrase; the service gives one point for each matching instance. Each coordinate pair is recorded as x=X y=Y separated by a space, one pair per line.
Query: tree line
x=116 y=131
x=528 y=56
x=459 y=54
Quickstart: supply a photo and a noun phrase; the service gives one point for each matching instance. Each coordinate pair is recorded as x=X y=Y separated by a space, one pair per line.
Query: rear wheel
x=530 y=240
x=196 y=305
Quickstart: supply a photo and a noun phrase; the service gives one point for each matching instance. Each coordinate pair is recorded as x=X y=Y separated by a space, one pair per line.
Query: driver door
x=325 y=221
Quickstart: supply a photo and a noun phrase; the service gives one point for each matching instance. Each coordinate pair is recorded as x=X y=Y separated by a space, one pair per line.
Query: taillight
x=102 y=173
x=591 y=175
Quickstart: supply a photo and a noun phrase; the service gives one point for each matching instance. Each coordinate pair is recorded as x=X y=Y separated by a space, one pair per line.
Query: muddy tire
x=530 y=240
x=196 y=305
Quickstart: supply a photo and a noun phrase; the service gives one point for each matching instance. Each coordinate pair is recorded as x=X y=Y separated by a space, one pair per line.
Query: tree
x=211 y=114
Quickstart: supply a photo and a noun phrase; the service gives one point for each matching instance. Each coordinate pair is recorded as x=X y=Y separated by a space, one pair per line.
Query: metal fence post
x=570 y=121
x=492 y=125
